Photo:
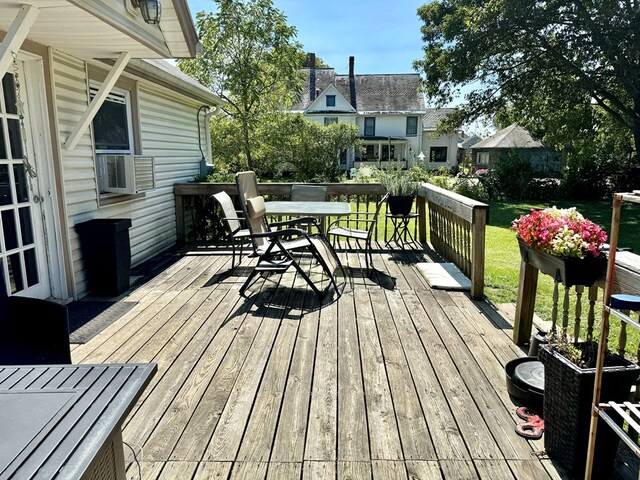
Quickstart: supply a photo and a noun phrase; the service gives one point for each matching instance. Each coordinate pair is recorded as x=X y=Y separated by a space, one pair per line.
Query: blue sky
x=384 y=36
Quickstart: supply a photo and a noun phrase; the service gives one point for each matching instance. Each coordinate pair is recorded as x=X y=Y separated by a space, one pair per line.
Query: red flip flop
x=533 y=428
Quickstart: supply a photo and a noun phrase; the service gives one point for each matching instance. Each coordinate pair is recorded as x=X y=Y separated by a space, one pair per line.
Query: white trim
x=42 y=149
x=16 y=34
x=335 y=91
x=116 y=95
x=98 y=100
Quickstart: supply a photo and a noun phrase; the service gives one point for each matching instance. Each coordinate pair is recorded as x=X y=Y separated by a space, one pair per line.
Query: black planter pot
x=568 y=395
x=568 y=271
x=400 y=205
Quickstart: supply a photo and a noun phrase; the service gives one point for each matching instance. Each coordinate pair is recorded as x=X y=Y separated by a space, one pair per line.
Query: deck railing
x=576 y=309
x=456 y=223
x=456 y=231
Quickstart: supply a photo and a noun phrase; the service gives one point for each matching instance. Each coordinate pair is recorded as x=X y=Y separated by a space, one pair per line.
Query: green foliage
x=251 y=60
x=285 y=146
x=398 y=184
x=548 y=61
x=509 y=178
x=319 y=62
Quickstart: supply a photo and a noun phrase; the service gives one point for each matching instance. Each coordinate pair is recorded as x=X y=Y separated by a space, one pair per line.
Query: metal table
x=401 y=228
x=312 y=209
x=64 y=421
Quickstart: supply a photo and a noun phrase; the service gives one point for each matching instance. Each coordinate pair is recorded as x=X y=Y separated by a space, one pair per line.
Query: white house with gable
x=92 y=125
x=386 y=108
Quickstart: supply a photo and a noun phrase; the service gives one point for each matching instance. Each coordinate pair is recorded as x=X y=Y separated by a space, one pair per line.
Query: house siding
x=168 y=132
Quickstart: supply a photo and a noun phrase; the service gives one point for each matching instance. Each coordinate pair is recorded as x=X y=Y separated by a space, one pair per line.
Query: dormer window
x=331 y=100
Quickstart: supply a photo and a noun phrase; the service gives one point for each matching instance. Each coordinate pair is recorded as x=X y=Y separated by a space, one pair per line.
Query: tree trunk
x=247 y=146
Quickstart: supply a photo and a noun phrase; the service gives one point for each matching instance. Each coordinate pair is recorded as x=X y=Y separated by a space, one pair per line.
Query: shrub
x=509 y=178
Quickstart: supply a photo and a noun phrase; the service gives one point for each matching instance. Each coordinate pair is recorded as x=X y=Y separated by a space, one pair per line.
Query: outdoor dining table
x=64 y=421
x=319 y=210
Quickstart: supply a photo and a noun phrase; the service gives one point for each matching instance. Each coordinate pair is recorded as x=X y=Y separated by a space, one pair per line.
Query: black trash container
x=106 y=251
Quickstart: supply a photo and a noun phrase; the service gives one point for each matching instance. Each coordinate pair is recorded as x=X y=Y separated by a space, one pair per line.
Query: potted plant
x=563 y=244
x=401 y=189
x=568 y=392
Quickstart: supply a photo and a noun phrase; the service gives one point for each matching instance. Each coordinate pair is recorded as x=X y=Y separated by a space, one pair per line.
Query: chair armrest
x=279 y=233
x=296 y=221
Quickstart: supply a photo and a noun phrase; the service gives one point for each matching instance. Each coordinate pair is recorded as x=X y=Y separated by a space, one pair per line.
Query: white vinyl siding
x=169 y=133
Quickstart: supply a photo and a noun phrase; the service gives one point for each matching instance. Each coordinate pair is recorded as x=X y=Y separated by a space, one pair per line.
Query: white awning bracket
x=98 y=100
x=16 y=34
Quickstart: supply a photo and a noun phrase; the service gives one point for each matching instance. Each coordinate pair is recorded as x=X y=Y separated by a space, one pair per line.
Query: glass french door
x=21 y=255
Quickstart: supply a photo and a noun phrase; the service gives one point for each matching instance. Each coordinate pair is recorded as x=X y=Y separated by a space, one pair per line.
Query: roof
x=468 y=142
x=514 y=136
x=172 y=76
x=434 y=116
x=389 y=93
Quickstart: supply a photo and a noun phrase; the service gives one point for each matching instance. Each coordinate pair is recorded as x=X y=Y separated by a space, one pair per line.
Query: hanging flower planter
x=563 y=244
x=568 y=271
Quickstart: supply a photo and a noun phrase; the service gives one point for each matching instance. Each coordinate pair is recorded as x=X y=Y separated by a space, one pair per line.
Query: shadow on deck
x=392 y=381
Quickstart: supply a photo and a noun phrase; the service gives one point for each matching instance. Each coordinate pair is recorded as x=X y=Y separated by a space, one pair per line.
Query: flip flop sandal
x=530 y=430
x=526 y=413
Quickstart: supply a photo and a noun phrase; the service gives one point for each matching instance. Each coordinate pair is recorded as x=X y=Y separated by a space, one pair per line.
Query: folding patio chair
x=276 y=247
x=337 y=230
x=308 y=193
x=232 y=219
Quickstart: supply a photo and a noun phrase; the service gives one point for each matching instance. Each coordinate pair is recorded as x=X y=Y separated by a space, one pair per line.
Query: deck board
x=393 y=380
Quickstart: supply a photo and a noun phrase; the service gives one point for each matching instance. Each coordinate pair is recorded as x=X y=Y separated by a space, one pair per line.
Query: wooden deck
x=389 y=382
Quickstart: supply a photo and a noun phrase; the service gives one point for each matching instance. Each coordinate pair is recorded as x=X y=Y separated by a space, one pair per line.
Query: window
x=112 y=124
x=331 y=100
x=330 y=120
x=438 y=154
x=369 y=126
x=483 y=158
x=118 y=170
x=412 y=126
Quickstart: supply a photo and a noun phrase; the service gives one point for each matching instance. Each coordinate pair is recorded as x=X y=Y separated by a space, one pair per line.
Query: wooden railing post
x=479 y=225
x=179 y=201
x=525 y=303
x=422 y=219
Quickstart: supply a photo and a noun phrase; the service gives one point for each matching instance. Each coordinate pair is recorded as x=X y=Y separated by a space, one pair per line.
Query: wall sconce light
x=421 y=157
x=151 y=10
x=135 y=3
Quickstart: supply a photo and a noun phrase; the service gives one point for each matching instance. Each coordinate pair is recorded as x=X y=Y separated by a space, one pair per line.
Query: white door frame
x=33 y=84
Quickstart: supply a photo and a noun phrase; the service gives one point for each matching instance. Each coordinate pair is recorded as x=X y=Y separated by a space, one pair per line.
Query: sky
x=382 y=35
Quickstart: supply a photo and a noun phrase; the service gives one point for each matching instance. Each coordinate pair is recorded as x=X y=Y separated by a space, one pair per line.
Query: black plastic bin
x=106 y=251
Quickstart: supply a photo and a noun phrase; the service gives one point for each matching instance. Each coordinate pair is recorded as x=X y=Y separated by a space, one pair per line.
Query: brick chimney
x=312 y=76
x=352 y=82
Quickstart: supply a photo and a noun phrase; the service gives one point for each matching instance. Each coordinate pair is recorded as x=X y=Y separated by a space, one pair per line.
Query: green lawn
x=503 y=258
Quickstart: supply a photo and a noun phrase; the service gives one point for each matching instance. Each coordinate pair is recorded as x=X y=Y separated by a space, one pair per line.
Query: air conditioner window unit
x=127 y=174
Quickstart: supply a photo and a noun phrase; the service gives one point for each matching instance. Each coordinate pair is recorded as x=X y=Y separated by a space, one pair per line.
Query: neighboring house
x=515 y=140
x=106 y=133
x=439 y=150
x=465 y=142
x=386 y=108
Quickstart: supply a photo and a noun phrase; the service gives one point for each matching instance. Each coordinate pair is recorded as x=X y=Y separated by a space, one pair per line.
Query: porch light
x=151 y=11
x=421 y=157
x=135 y=3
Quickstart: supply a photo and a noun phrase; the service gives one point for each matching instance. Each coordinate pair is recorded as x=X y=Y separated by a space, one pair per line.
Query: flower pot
x=568 y=271
x=567 y=408
x=400 y=205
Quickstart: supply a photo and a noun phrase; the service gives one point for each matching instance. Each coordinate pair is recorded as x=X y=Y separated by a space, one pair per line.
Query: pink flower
x=562 y=232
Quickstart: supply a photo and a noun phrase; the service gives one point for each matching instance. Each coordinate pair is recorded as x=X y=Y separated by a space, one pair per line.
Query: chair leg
x=233 y=254
x=248 y=282
x=306 y=278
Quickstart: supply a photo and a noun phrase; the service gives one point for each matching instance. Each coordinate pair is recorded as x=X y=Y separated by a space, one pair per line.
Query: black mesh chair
x=32 y=331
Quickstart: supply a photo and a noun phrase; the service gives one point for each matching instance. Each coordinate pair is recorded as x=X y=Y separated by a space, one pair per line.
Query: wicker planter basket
x=568 y=271
x=567 y=406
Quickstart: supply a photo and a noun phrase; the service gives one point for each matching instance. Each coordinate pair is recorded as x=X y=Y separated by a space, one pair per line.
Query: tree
x=251 y=60
x=535 y=57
